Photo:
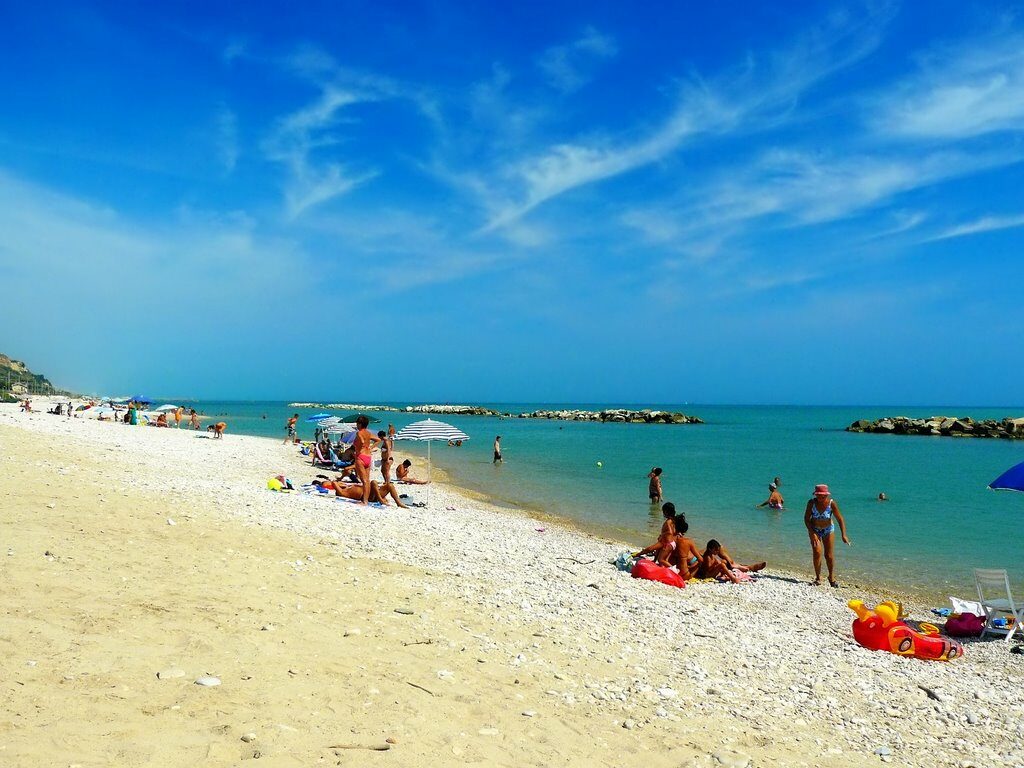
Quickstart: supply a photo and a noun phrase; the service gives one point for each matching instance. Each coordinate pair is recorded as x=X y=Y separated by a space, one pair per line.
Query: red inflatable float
x=646 y=569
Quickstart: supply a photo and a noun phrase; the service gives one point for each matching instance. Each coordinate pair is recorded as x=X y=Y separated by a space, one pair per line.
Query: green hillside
x=16 y=380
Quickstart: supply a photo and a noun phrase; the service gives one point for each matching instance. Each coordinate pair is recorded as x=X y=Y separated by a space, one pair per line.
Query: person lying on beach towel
x=403 y=474
x=717 y=564
x=378 y=493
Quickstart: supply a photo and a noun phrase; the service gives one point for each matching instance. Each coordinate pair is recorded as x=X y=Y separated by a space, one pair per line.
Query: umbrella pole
x=429 y=472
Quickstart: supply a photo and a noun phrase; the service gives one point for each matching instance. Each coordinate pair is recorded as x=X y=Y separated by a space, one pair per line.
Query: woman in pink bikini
x=363 y=446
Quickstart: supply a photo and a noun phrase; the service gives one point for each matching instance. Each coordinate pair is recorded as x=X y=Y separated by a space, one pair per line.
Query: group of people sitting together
x=675 y=550
x=356 y=462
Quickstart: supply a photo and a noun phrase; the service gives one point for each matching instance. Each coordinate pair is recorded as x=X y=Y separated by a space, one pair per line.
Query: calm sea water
x=941 y=520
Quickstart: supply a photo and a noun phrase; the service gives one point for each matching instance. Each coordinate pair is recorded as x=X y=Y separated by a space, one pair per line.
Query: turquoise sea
x=940 y=522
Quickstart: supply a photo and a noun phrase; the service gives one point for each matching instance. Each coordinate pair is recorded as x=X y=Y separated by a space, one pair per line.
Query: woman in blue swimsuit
x=818 y=517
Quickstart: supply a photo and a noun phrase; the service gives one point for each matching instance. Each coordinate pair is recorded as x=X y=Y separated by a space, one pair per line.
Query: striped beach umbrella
x=427 y=431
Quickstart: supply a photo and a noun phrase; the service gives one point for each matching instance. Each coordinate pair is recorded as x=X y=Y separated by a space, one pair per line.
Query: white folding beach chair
x=999 y=602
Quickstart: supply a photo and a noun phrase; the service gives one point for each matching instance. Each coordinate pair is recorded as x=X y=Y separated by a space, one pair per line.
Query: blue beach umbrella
x=318 y=416
x=1011 y=480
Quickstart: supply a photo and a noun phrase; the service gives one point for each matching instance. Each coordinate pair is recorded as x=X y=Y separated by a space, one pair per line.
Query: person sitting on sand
x=685 y=555
x=717 y=564
x=662 y=548
x=654 y=487
x=403 y=474
x=217 y=429
x=161 y=420
x=821 y=508
x=775 y=500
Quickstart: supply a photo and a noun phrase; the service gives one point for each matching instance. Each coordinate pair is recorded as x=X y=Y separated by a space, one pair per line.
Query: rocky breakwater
x=453 y=410
x=645 y=416
x=950 y=426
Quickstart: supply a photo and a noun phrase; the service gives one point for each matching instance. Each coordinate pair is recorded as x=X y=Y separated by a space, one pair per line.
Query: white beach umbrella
x=429 y=430
x=166 y=407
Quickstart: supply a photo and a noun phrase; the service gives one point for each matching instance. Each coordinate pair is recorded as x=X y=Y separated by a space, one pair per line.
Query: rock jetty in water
x=622 y=415
x=950 y=426
x=645 y=416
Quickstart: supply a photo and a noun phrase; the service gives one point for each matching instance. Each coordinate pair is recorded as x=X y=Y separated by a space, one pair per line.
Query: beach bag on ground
x=965 y=625
x=645 y=569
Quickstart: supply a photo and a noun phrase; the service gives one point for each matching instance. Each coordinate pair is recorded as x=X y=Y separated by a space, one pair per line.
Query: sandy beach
x=136 y=561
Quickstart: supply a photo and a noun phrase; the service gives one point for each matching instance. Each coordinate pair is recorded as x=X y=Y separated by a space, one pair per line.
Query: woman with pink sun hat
x=818 y=517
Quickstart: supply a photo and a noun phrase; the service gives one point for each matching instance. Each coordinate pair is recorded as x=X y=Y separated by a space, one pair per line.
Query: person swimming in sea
x=654 y=490
x=774 y=500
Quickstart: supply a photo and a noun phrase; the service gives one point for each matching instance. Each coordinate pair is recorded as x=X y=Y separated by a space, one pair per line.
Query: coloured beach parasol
x=1011 y=480
x=427 y=431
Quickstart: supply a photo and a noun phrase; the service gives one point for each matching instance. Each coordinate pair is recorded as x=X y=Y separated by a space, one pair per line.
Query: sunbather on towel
x=378 y=493
x=717 y=564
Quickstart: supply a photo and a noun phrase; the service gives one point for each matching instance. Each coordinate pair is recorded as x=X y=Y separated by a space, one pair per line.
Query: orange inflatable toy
x=645 y=569
x=883 y=629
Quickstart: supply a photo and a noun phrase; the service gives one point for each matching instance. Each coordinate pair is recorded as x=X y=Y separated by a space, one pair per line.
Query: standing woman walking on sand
x=178 y=413
x=818 y=517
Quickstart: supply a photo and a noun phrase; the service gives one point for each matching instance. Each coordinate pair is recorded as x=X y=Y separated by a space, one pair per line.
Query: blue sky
x=703 y=202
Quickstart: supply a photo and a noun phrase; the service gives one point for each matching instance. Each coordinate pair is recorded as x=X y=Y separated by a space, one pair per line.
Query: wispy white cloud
x=227 y=139
x=567 y=67
x=800 y=188
x=759 y=95
x=958 y=92
x=293 y=142
x=984 y=224
x=234 y=50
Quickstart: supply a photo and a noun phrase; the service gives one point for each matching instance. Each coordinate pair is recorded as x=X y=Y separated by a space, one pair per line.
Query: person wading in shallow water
x=497 y=450
x=818 y=517
x=654 y=487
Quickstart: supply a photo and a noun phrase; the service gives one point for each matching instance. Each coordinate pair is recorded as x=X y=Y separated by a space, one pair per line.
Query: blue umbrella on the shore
x=318 y=416
x=1011 y=480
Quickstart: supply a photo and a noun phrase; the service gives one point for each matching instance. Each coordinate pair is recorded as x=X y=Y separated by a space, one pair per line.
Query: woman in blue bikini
x=818 y=517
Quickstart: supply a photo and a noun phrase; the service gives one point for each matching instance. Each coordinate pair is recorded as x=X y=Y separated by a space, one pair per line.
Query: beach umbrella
x=1011 y=480
x=141 y=399
x=166 y=407
x=318 y=416
x=428 y=431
